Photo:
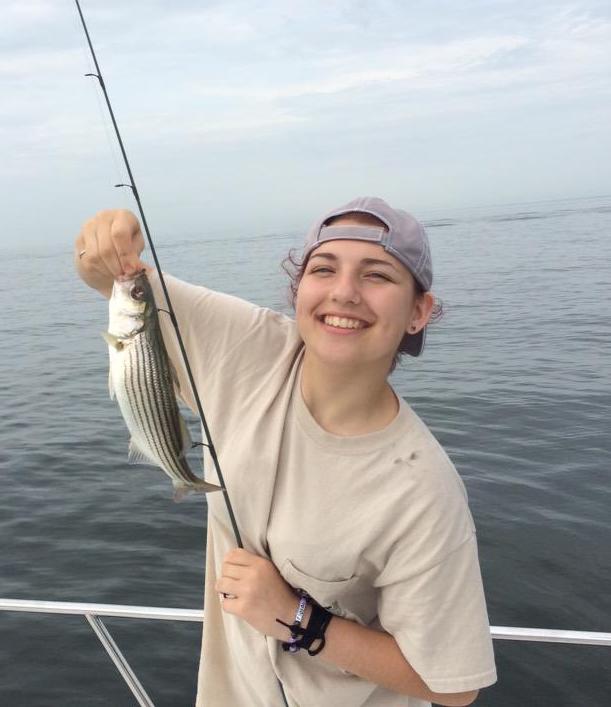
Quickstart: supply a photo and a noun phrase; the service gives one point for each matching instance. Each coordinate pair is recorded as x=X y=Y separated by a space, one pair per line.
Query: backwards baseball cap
x=401 y=236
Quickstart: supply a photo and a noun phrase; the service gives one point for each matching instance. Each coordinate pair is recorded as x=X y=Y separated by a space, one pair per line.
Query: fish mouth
x=124 y=283
x=130 y=278
x=132 y=296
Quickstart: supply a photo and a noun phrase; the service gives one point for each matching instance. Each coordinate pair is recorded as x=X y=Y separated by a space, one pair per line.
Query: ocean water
x=515 y=382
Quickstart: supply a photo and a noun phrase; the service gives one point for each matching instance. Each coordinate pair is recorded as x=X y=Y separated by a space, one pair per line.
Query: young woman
x=359 y=584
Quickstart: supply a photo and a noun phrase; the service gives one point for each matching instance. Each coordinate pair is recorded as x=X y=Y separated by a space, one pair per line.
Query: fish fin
x=135 y=455
x=113 y=340
x=206 y=487
x=185 y=436
x=181 y=491
x=111 y=389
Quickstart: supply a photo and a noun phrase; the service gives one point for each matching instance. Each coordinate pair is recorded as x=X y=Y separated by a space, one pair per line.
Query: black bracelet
x=314 y=631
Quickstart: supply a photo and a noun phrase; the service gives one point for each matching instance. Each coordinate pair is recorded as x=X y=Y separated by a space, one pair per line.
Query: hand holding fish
x=108 y=247
x=257 y=593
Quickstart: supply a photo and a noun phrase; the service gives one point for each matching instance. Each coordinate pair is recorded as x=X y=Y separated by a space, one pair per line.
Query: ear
x=421 y=313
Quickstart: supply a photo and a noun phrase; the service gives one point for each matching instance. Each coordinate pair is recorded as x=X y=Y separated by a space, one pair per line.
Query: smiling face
x=355 y=302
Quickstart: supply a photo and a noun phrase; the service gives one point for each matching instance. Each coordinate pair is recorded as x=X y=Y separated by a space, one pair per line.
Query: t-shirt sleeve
x=218 y=331
x=439 y=619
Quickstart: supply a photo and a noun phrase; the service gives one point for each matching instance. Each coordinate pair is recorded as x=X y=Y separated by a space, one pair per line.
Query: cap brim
x=413 y=344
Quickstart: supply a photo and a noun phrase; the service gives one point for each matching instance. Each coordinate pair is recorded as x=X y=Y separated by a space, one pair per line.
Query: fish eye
x=137 y=292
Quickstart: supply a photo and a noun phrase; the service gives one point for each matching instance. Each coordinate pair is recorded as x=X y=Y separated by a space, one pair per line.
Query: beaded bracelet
x=295 y=628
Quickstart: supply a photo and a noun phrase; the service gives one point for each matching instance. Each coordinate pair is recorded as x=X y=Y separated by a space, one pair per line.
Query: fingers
x=112 y=242
x=240 y=556
x=87 y=259
x=231 y=577
x=127 y=241
x=100 y=254
x=229 y=605
x=227 y=586
x=232 y=571
x=237 y=573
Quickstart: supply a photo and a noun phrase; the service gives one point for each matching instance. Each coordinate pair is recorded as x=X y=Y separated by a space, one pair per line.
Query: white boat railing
x=92 y=613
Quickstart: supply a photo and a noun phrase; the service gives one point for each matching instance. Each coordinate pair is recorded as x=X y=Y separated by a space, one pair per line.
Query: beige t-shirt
x=376 y=527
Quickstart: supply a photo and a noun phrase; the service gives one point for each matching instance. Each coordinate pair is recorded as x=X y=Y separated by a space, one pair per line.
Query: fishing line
x=112 y=145
x=132 y=186
x=134 y=189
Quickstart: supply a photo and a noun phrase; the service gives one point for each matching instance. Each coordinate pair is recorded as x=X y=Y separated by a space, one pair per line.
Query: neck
x=347 y=402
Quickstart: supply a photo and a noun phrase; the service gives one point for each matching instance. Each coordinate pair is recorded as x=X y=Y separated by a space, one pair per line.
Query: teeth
x=343 y=322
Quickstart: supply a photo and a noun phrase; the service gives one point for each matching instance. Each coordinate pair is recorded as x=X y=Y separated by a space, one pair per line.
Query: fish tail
x=181 y=491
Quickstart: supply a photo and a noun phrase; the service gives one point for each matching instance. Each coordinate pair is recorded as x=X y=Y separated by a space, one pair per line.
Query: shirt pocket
x=351 y=598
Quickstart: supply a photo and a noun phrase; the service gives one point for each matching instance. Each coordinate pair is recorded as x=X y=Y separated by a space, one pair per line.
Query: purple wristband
x=295 y=628
x=303 y=602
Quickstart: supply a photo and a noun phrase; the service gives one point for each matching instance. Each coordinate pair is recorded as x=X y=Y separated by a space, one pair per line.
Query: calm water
x=515 y=382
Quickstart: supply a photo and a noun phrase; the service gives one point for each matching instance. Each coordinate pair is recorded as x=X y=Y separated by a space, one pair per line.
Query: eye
x=137 y=293
x=321 y=269
x=379 y=276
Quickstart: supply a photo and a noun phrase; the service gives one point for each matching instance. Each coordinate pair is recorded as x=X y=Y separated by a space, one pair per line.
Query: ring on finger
x=81 y=254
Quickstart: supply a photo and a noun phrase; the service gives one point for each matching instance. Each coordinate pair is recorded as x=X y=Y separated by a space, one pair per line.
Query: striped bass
x=141 y=378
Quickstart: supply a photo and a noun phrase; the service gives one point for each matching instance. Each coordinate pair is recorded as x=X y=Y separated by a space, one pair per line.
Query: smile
x=343 y=322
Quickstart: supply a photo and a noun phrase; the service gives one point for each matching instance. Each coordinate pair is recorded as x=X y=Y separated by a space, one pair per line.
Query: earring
x=413 y=327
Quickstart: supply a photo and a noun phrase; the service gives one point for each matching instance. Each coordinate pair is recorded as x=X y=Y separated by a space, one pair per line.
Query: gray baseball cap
x=402 y=236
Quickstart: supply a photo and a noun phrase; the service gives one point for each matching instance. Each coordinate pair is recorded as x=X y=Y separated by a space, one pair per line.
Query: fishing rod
x=134 y=189
x=132 y=186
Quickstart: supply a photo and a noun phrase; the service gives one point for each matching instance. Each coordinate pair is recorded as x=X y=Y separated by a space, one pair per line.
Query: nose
x=345 y=289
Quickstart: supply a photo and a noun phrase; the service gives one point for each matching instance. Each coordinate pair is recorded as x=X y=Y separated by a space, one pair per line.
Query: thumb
x=127 y=240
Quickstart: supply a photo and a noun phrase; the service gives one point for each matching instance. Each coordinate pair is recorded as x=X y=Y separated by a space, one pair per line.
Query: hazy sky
x=243 y=116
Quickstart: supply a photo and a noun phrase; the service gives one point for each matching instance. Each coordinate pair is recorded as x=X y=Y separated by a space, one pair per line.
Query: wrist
x=307 y=615
x=307 y=631
x=296 y=615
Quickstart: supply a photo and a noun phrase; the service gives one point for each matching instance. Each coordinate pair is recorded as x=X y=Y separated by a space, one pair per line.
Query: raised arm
x=108 y=246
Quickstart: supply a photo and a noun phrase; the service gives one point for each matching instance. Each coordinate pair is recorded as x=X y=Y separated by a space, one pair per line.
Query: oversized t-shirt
x=375 y=527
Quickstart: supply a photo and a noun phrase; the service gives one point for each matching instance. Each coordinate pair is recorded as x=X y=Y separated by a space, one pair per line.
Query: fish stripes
x=155 y=411
x=142 y=382
x=147 y=420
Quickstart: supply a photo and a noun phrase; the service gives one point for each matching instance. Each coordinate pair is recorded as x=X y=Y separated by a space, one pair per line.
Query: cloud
x=19 y=14
x=359 y=70
x=25 y=65
x=287 y=86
